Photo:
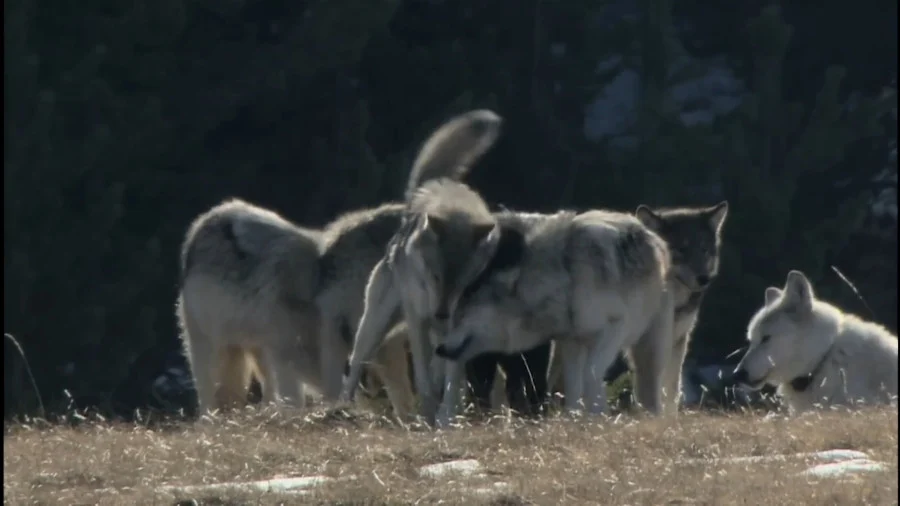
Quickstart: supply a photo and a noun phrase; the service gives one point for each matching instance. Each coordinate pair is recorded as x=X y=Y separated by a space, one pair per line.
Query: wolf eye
x=765 y=338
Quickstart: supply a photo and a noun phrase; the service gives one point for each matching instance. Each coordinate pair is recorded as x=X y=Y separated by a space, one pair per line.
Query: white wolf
x=596 y=283
x=262 y=295
x=815 y=353
x=447 y=237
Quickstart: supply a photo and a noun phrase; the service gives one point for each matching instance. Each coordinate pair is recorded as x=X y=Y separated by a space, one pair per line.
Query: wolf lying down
x=815 y=353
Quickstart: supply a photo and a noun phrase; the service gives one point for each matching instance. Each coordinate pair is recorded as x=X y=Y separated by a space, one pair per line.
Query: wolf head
x=787 y=340
x=478 y=321
x=455 y=234
x=694 y=236
x=449 y=251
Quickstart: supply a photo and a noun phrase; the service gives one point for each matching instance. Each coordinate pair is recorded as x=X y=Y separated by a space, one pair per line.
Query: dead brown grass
x=629 y=460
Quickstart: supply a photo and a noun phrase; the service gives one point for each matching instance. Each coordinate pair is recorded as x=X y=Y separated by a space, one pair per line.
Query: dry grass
x=621 y=461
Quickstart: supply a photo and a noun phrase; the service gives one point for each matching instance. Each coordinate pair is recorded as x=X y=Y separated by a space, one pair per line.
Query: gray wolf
x=595 y=282
x=694 y=236
x=526 y=372
x=261 y=295
x=447 y=237
x=247 y=306
x=815 y=353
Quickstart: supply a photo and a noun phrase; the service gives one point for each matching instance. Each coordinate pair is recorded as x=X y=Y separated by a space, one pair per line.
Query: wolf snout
x=702 y=280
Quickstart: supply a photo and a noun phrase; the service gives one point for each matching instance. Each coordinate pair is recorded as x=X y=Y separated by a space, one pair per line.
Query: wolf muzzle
x=448 y=353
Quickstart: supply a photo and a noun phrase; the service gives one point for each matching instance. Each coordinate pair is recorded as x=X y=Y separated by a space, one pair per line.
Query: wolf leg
x=517 y=381
x=286 y=368
x=265 y=376
x=420 y=347
x=650 y=356
x=454 y=372
x=554 y=374
x=233 y=377
x=393 y=369
x=201 y=354
x=601 y=355
x=332 y=354
x=480 y=374
x=574 y=358
x=531 y=371
x=202 y=359
x=672 y=378
x=381 y=304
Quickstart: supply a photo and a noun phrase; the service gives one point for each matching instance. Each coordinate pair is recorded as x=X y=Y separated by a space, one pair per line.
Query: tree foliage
x=123 y=121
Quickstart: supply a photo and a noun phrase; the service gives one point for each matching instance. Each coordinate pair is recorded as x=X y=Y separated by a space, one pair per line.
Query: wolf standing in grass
x=447 y=237
x=815 y=353
x=248 y=278
x=596 y=283
x=694 y=236
x=262 y=296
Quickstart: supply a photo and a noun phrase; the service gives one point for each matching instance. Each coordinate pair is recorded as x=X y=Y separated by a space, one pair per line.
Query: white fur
x=855 y=361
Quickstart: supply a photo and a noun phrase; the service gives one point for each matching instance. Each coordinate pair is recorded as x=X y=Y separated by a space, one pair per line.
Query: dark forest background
x=124 y=120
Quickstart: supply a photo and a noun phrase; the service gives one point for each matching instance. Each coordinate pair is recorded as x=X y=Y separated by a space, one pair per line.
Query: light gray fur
x=594 y=282
x=447 y=237
x=694 y=236
x=248 y=305
x=839 y=358
x=351 y=246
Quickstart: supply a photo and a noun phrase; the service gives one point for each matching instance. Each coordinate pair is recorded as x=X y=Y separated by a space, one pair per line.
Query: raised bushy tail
x=451 y=150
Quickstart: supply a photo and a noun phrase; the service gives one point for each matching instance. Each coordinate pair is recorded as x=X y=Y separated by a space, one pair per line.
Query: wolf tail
x=453 y=148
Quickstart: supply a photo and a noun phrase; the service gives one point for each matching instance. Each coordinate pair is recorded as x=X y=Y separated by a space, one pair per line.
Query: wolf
x=447 y=237
x=249 y=278
x=595 y=282
x=815 y=353
x=525 y=372
x=261 y=295
x=694 y=236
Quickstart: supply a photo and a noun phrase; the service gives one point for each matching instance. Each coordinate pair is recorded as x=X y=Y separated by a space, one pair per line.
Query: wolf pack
x=443 y=283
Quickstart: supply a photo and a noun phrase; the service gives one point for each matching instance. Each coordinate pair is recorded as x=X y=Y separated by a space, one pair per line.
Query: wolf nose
x=740 y=376
x=442 y=316
x=702 y=280
x=441 y=351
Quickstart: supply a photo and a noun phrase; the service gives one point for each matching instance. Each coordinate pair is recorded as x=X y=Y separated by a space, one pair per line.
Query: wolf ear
x=434 y=223
x=646 y=216
x=772 y=294
x=480 y=231
x=717 y=215
x=799 y=290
